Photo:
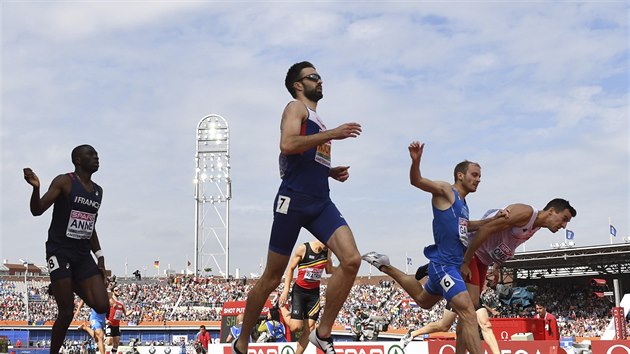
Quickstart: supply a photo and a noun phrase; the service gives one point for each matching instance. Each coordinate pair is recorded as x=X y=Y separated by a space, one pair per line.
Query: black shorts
x=112 y=331
x=304 y=303
x=66 y=263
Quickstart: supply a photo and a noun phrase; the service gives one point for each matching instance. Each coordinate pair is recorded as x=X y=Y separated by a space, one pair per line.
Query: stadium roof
x=577 y=261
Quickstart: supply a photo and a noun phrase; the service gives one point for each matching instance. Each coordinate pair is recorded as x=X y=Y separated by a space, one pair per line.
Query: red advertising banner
x=611 y=346
x=280 y=348
x=620 y=323
x=506 y=347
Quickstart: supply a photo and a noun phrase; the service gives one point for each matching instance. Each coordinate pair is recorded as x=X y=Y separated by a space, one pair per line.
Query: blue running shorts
x=444 y=280
x=294 y=211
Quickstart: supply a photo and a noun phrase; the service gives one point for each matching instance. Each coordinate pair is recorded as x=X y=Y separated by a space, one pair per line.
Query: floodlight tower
x=213 y=191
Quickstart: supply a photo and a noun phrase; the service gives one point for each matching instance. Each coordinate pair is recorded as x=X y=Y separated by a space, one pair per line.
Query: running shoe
x=422 y=271
x=376 y=259
x=325 y=344
x=234 y=350
x=406 y=339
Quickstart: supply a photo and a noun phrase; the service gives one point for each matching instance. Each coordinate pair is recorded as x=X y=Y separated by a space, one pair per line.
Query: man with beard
x=450 y=230
x=71 y=237
x=303 y=200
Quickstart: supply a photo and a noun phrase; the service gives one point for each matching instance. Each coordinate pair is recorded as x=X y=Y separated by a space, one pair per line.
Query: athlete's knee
x=351 y=262
x=485 y=324
x=65 y=314
x=270 y=280
x=466 y=315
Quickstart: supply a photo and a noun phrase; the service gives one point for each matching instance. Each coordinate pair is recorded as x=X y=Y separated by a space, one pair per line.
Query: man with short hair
x=311 y=259
x=303 y=201
x=492 y=244
x=551 y=325
x=71 y=237
x=450 y=228
x=203 y=338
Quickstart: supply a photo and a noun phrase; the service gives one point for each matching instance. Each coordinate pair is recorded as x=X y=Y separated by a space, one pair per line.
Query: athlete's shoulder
x=297 y=108
x=519 y=212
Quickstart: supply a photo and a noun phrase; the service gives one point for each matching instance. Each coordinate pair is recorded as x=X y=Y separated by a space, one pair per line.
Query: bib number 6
x=447 y=283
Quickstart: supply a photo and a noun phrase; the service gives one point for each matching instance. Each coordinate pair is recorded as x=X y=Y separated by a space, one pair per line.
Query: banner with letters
x=611 y=346
x=393 y=347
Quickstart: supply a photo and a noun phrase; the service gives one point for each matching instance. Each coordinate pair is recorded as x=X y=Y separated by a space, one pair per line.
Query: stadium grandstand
x=576 y=283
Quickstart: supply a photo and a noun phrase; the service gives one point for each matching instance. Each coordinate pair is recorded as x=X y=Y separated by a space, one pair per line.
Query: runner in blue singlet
x=450 y=228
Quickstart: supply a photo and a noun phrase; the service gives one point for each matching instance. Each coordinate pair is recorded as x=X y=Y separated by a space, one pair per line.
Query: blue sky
x=536 y=92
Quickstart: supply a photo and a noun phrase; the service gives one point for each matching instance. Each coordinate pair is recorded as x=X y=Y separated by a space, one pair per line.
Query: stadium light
x=25 y=263
x=213 y=191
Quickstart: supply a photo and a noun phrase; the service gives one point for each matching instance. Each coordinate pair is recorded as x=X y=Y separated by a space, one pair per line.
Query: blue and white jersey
x=450 y=231
x=307 y=172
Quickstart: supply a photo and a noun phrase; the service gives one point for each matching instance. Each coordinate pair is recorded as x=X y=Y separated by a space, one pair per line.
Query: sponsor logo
x=88 y=202
x=395 y=349
x=506 y=347
x=611 y=346
x=359 y=349
x=263 y=349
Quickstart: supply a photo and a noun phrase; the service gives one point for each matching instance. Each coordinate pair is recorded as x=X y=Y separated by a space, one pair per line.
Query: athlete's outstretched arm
x=519 y=216
x=437 y=188
x=474 y=225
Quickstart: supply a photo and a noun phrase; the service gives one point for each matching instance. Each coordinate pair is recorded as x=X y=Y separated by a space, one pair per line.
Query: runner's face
x=88 y=159
x=559 y=220
x=472 y=178
x=313 y=89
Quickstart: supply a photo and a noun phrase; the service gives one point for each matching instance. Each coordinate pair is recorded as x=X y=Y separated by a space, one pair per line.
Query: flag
x=613 y=231
x=156 y=264
x=409 y=261
x=189 y=263
x=570 y=235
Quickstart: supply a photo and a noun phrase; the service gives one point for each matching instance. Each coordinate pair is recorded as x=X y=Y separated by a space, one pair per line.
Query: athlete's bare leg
x=411 y=286
x=342 y=244
x=467 y=332
x=442 y=325
x=309 y=325
x=257 y=296
x=486 y=330
x=62 y=292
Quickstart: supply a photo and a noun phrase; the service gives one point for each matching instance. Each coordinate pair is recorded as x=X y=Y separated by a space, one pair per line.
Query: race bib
x=322 y=155
x=282 y=206
x=463 y=231
x=53 y=264
x=118 y=314
x=80 y=225
x=447 y=283
x=502 y=253
x=313 y=274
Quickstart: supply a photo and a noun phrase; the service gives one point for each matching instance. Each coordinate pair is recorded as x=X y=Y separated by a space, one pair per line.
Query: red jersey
x=116 y=314
x=204 y=339
x=310 y=268
x=551 y=326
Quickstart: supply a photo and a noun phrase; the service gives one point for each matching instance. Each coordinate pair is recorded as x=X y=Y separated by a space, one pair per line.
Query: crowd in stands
x=578 y=312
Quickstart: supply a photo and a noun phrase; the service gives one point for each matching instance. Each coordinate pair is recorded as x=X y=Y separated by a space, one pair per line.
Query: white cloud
x=536 y=92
